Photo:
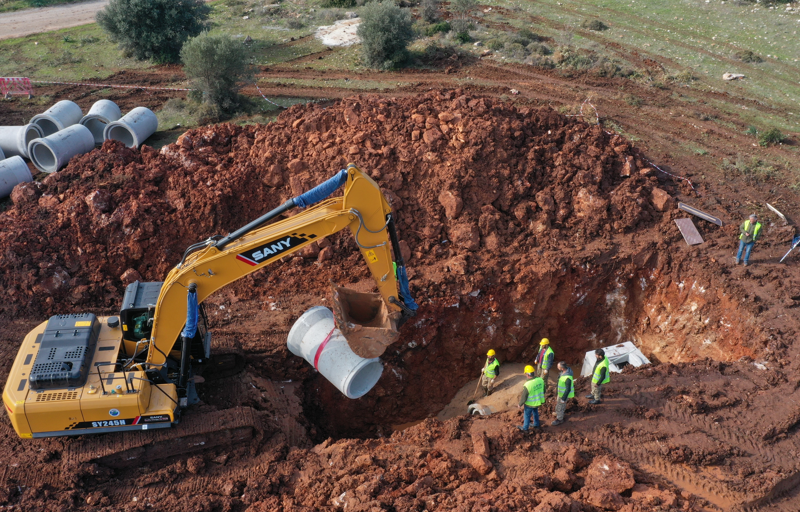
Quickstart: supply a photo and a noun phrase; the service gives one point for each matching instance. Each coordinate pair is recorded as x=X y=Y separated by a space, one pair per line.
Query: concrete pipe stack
x=62 y=132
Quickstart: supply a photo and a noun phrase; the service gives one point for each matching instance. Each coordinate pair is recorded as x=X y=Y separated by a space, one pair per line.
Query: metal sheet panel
x=689 y=231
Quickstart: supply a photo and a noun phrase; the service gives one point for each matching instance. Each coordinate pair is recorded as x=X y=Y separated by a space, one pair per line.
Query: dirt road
x=45 y=19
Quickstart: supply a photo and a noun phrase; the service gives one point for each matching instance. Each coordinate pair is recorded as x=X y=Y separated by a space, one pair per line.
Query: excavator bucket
x=365 y=321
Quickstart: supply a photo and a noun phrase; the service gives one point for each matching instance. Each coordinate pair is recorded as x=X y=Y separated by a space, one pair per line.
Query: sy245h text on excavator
x=79 y=374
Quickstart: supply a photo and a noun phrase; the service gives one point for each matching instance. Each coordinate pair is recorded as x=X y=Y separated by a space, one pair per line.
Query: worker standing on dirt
x=565 y=391
x=491 y=370
x=544 y=360
x=531 y=398
x=600 y=377
x=749 y=232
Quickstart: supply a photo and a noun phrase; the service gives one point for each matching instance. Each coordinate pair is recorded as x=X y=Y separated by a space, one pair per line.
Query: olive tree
x=153 y=29
x=385 y=32
x=217 y=66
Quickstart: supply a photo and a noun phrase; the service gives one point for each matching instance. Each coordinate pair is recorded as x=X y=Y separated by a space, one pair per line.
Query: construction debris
x=689 y=231
x=700 y=213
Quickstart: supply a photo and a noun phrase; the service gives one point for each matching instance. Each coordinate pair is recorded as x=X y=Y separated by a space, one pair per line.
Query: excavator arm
x=370 y=322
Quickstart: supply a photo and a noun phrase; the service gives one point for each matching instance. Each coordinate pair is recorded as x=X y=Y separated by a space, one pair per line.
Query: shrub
x=748 y=56
x=153 y=29
x=539 y=49
x=771 y=136
x=462 y=36
x=385 y=32
x=751 y=130
x=515 y=51
x=495 y=44
x=462 y=8
x=434 y=29
x=339 y=3
x=430 y=10
x=528 y=35
x=295 y=24
x=595 y=25
x=216 y=65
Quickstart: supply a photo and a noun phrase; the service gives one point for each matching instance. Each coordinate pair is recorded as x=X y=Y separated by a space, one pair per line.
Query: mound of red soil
x=477 y=184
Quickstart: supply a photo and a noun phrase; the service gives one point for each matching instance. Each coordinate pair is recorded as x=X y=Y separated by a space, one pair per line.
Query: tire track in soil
x=674 y=412
x=768 y=454
x=639 y=455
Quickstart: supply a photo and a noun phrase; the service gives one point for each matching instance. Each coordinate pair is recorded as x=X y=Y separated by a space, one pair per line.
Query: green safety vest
x=535 y=389
x=562 y=386
x=490 y=370
x=596 y=376
x=547 y=360
x=756 y=230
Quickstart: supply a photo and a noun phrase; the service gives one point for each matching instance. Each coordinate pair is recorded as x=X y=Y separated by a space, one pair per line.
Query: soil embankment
x=520 y=223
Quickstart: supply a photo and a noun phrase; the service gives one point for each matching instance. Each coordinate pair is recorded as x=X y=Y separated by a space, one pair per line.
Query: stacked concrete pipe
x=101 y=113
x=14 y=140
x=58 y=117
x=13 y=171
x=51 y=153
x=134 y=128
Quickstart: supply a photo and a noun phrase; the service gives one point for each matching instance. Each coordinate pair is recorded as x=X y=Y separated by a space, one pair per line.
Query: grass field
x=693 y=41
x=696 y=37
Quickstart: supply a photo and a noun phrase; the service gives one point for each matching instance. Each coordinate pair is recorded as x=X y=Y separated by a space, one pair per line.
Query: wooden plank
x=700 y=213
x=779 y=214
x=689 y=231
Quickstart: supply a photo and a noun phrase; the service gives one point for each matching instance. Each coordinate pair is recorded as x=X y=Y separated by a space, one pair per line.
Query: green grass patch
x=79 y=53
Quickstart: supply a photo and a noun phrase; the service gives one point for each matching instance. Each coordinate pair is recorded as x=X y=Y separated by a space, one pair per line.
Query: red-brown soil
x=520 y=225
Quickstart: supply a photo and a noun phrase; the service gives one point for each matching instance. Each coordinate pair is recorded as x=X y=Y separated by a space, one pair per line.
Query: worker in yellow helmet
x=490 y=372
x=531 y=397
x=544 y=360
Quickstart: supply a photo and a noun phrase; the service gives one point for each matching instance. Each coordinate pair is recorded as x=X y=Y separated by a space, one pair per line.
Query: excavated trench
x=671 y=317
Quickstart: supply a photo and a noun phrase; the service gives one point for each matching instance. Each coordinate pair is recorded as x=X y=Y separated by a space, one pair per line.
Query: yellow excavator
x=80 y=374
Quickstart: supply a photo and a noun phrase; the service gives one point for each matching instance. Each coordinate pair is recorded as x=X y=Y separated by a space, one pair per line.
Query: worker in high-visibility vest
x=544 y=360
x=531 y=397
x=600 y=377
x=490 y=372
x=565 y=391
x=749 y=232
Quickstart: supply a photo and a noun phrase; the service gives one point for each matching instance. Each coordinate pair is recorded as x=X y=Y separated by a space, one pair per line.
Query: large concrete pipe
x=13 y=171
x=14 y=140
x=61 y=115
x=134 y=128
x=101 y=113
x=50 y=154
x=314 y=338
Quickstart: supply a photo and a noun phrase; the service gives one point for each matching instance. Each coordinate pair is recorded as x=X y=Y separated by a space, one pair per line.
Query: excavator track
x=199 y=430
